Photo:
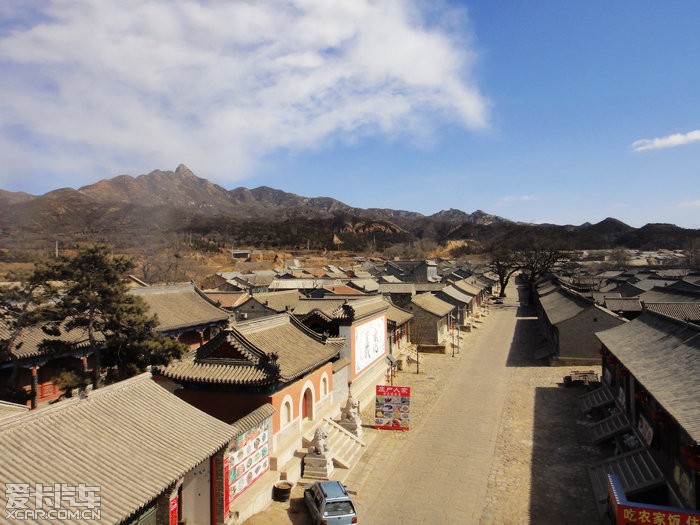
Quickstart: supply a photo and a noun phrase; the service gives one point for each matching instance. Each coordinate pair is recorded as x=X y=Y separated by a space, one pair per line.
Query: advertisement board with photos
x=392 y=409
x=247 y=460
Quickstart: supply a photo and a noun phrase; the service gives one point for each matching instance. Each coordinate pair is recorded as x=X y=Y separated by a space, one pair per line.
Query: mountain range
x=131 y=211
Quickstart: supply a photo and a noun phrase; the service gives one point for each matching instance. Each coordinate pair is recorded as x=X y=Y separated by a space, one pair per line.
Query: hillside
x=143 y=211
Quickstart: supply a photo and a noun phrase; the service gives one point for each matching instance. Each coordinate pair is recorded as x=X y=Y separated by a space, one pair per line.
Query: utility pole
x=459 y=330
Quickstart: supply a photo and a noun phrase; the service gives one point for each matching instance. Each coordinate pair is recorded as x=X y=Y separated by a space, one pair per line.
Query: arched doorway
x=307 y=405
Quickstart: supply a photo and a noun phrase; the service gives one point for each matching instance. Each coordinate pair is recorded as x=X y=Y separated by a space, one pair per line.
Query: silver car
x=330 y=504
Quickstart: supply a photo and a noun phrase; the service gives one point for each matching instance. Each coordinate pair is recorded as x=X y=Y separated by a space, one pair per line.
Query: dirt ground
x=539 y=473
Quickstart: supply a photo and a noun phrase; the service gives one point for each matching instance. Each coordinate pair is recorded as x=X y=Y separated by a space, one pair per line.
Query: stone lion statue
x=319 y=445
x=351 y=412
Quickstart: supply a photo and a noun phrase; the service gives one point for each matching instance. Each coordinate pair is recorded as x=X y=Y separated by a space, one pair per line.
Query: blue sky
x=561 y=112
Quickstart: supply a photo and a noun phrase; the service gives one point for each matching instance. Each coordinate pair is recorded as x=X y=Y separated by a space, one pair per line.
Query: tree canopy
x=92 y=296
x=22 y=304
x=532 y=259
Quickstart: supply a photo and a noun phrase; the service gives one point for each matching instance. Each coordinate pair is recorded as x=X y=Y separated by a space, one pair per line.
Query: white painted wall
x=196 y=489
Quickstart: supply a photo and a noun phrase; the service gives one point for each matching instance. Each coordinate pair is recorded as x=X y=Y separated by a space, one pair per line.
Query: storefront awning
x=608 y=428
x=636 y=470
x=596 y=398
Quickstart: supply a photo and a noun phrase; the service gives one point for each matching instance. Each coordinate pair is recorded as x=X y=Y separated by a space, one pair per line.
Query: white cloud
x=125 y=86
x=690 y=204
x=669 y=141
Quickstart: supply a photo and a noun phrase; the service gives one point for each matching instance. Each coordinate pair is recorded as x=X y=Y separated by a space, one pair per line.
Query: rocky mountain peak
x=184 y=171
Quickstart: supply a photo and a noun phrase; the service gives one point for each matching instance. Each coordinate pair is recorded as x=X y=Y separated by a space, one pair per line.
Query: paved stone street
x=493 y=440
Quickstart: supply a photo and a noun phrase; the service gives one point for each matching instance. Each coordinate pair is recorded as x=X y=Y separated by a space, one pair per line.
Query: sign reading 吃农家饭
x=392 y=410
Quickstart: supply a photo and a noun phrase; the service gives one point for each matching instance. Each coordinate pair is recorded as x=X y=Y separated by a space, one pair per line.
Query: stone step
x=345 y=447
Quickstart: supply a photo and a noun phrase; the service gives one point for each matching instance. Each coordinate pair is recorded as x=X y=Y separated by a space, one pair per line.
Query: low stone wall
x=432 y=349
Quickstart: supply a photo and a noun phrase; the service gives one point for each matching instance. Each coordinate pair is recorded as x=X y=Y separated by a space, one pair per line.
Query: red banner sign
x=173 y=510
x=392 y=409
x=227 y=495
x=631 y=513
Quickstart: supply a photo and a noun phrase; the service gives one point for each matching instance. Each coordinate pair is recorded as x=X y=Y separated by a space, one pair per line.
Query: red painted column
x=212 y=491
x=35 y=383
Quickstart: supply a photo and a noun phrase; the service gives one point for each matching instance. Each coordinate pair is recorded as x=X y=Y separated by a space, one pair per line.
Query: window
x=338 y=508
x=287 y=412
x=324 y=386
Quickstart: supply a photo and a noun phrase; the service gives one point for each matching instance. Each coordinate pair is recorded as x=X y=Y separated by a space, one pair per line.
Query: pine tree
x=22 y=305
x=95 y=299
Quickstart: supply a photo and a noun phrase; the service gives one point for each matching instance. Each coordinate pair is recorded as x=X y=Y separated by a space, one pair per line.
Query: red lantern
x=694 y=463
x=658 y=415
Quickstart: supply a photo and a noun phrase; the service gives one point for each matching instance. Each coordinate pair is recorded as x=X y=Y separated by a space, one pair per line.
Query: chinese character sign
x=392 y=407
x=631 y=513
x=370 y=343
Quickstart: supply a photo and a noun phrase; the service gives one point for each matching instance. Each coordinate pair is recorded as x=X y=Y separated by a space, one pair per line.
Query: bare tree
x=503 y=262
x=537 y=260
x=693 y=253
x=619 y=258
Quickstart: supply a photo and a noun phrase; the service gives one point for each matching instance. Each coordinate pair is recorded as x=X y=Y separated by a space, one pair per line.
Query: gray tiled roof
x=180 y=306
x=362 y=307
x=546 y=289
x=610 y=274
x=663 y=355
x=397 y=315
x=326 y=305
x=131 y=439
x=31 y=338
x=455 y=294
x=432 y=304
x=686 y=285
x=623 y=304
x=299 y=350
x=8 y=409
x=302 y=284
x=228 y=299
x=649 y=284
x=682 y=311
x=397 y=287
x=189 y=368
x=279 y=301
x=668 y=295
x=339 y=308
x=368 y=285
x=601 y=296
x=259 y=278
x=469 y=288
x=482 y=280
x=428 y=287
x=560 y=306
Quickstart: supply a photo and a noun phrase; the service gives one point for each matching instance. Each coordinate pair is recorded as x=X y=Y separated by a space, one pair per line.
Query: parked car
x=498 y=300
x=330 y=504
